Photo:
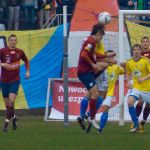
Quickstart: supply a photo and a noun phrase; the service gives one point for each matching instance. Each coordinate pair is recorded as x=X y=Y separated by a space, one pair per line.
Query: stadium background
x=45 y=49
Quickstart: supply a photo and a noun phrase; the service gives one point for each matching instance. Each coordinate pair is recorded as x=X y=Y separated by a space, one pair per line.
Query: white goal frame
x=122 y=14
x=49 y=90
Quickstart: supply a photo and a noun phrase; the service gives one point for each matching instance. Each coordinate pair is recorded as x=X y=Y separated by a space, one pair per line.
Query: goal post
x=122 y=14
x=59 y=89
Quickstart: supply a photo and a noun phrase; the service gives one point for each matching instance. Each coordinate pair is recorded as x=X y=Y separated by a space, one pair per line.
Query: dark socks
x=92 y=108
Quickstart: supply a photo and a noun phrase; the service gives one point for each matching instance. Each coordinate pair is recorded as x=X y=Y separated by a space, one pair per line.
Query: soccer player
x=145 y=44
x=101 y=82
x=10 y=62
x=87 y=67
x=113 y=71
x=138 y=69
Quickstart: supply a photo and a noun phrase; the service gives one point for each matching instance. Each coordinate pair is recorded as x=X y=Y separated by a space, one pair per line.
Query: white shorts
x=107 y=101
x=102 y=81
x=144 y=95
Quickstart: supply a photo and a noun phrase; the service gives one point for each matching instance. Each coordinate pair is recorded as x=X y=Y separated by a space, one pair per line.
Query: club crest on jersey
x=112 y=76
x=88 y=47
x=17 y=56
x=137 y=73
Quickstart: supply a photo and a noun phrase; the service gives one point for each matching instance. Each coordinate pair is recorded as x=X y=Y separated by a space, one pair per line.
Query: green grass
x=35 y=134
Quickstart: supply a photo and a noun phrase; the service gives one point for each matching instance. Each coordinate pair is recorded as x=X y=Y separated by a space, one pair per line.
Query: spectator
x=14 y=11
x=43 y=11
x=142 y=5
x=29 y=7
x=125 y=4
x=3 y=15
x=138 y=5
x=70 y=7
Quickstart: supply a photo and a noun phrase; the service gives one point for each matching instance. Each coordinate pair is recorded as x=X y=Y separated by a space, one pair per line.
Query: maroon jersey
x=13 y=58
x=88 y=46
x=146 y=54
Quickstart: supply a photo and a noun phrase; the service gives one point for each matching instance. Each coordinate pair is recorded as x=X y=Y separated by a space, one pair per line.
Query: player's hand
x=123 y=64
x=141 y=80
x=5 y=65
x=114 y=61
x=129 y=84
x=27 y=75
x=95 y=67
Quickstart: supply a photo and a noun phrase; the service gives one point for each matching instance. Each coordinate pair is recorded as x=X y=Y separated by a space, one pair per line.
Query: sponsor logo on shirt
x=14 y=66
x=12 y=52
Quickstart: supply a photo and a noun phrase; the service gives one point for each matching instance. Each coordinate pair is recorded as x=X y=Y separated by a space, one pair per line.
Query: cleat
x=14 y=124
x=93 y=122
x=134 y=130
x=100 y=131
x=132 y=125
x=141 y=129
x=5 y=128
x=81 y=122
x=88 y=129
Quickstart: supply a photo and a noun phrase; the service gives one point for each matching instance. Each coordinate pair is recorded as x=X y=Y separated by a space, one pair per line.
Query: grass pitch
x=35 y=134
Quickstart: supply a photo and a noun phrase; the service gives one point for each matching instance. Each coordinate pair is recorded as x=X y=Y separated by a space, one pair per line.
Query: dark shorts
x=7 y=88
x=99 y=73
x=88 y=79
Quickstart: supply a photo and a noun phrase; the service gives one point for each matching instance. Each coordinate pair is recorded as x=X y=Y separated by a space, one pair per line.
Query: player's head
x=98 y=32
x=137 y=50
x=145 y=43
x=111 y=55
x=12 y=41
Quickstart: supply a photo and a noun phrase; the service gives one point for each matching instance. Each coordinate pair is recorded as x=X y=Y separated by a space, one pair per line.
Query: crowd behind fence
x=33 y=14
x=30 y=14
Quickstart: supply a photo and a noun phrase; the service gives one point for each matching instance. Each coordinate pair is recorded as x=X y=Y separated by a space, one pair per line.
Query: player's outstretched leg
x=103 y=121
x=98 y=105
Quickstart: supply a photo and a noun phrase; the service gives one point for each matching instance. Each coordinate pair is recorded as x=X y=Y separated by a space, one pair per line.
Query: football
x=104 y=18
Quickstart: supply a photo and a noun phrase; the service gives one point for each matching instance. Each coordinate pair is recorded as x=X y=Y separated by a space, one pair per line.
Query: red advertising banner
x=76 y=91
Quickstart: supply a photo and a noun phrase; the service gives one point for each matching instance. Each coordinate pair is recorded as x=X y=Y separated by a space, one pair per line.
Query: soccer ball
x=104 y=18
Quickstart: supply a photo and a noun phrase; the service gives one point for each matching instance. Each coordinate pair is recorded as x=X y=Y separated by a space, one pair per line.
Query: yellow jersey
x=113 y=72
x=139 y=69
x=100 y=48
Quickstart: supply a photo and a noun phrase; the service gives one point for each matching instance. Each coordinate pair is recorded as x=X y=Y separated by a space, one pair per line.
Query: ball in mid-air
x=104 y=18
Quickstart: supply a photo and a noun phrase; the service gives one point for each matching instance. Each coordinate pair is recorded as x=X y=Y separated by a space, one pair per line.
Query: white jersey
x=102 y=81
